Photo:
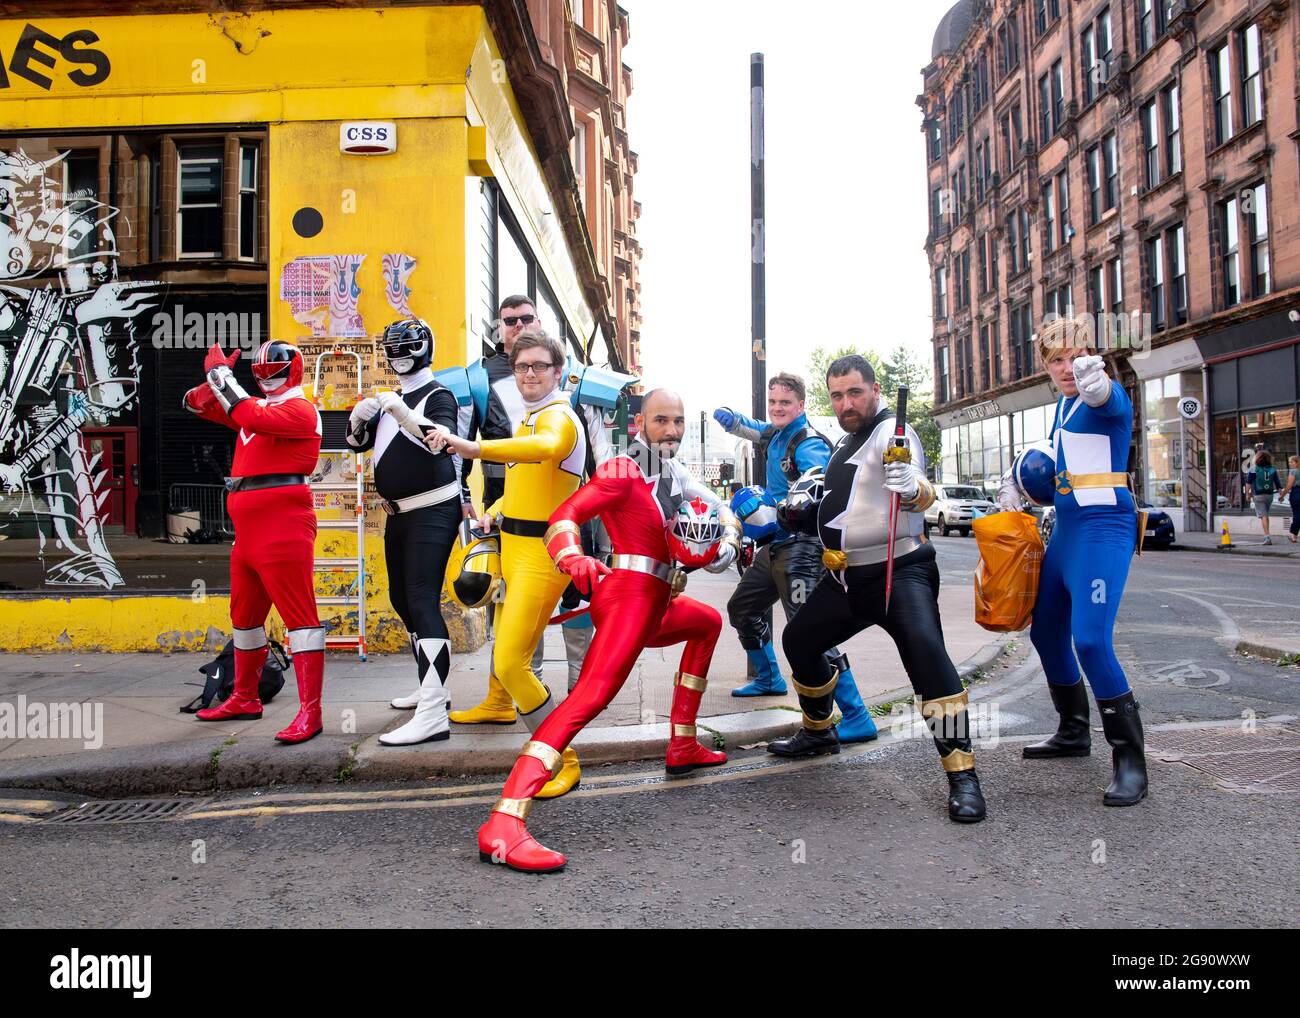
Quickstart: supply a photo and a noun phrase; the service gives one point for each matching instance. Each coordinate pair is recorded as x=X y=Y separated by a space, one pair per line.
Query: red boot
x=684 y=751
x=243 y=704
x=504 y=838
x=309 y=667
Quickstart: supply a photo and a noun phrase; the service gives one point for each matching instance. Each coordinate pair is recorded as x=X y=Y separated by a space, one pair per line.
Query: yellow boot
x=497 y=708
x=567 y=780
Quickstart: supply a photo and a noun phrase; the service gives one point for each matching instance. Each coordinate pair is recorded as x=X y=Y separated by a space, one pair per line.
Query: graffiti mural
x=69 y=358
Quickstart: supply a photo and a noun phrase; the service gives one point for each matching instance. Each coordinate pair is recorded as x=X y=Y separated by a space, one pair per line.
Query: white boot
x=430 y=722
x=408 y=702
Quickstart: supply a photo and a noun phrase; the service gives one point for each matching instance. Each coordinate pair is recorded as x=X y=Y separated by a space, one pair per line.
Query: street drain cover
x=126 y=811
x=1266 y=759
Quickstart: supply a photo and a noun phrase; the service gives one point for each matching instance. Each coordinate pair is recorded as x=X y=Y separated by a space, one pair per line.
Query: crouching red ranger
x=270 y=506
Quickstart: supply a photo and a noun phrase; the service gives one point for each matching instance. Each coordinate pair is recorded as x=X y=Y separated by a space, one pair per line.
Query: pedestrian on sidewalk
x=1292 y=493
x=1264 y=484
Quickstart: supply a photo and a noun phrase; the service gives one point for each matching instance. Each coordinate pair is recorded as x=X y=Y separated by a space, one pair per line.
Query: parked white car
x=953 y=506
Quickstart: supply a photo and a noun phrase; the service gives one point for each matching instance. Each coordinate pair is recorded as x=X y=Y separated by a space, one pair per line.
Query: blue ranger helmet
x=1033 y=472
x=756 y=510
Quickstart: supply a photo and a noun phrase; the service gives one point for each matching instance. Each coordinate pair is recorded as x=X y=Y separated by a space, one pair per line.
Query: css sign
x=368 y=137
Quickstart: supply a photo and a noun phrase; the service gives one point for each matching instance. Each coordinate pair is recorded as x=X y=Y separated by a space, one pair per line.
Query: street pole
x=758 y=280
x=704 y=423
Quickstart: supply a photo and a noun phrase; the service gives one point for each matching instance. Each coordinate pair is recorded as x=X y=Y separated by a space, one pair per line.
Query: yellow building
x=183 y=175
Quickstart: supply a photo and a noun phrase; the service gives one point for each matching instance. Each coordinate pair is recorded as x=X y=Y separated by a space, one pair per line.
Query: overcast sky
x=846 y=188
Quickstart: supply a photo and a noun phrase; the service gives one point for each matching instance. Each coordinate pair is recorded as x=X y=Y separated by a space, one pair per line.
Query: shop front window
x=1164 y=445
x=1227 y=465
x=1273 y=430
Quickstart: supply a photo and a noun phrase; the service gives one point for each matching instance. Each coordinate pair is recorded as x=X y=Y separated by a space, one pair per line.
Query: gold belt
x=1067 y=482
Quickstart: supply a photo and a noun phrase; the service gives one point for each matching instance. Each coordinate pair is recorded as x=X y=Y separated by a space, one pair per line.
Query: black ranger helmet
x=798 y=510
x=408 y=345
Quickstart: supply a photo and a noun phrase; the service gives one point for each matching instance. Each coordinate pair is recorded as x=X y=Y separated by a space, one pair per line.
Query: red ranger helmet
x=277 y=366
x=694 y=533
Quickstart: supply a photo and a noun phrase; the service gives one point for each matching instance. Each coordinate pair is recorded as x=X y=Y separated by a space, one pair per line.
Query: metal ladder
x=348 y=563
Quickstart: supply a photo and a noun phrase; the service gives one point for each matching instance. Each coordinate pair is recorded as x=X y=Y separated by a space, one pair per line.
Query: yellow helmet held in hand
x=474 y=567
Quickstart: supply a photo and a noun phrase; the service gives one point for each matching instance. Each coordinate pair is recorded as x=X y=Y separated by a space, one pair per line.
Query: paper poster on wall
x=305 y=286
x=345 y=320
x=397 y=270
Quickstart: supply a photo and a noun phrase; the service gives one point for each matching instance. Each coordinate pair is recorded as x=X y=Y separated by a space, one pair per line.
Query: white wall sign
x=1189 y=407
x=368 y=137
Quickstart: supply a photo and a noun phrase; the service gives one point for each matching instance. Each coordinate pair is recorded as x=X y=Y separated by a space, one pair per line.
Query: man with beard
x=852 y=521
x=636 y=494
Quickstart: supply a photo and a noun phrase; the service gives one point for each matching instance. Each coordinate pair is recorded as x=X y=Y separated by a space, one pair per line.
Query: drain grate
x=1265 y=760
x=127 y=811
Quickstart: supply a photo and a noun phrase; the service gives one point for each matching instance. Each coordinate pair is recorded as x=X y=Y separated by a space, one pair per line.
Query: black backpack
x=220 y=674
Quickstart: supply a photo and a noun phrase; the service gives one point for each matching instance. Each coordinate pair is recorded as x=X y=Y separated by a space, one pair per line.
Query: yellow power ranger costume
x=544 y=463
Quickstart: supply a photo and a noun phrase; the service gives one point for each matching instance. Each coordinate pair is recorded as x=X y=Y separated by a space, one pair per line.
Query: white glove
x=390 y=402
x=900 y=478
x=364 y=411
x=1008 y=495
x=1091 y=378
x=725 y=557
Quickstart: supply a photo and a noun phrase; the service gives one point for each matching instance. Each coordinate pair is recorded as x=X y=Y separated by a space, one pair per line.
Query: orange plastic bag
x=1006 y=576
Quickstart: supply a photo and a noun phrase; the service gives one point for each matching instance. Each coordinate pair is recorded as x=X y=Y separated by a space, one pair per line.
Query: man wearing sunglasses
x=545 y=461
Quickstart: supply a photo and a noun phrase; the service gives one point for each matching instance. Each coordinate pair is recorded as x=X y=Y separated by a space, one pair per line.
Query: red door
x=119 y=459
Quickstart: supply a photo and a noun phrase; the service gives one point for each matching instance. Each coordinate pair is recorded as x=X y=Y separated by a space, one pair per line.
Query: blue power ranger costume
x=786 y=569
x=1082 y=581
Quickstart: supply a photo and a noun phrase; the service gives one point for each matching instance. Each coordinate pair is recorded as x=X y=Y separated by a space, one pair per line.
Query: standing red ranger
x=275 y=526
x=637 y=495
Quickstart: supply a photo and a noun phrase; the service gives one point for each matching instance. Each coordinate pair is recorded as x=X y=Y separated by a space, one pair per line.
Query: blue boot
x=855 y=724
x=767 y=674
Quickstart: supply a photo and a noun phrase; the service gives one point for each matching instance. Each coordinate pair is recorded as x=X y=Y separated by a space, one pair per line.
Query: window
x=1094 y=185
x=941 y=293
x=1230 y=267
x=1221 y=83
x=81 y=185
x=996 y=342
x=1114 y=285
x=1049 y=216
x=937 y=208
x=1045 y=128
x=982 y=262
x=1146 y=25
x=1096 y=55
x=1058 y=96
x=1021 y=337
x=514 y=267
x=936 y=141
x=1063 y=207
x=1156 y=282
x=1009 y=138
x=580 y=157
x=1110 y=162
x=942 y=372
x=1008 y=47
x=1173 y=130
x=1059 y=301
x=984 y=354
x=956 y=114
x=983 y=162
x=979 y=86
x=1176 y=251
x=966 y=345
x=1013 y=243
x=959 y=193
x=198 y=213
x=1257 y=230
x=1046 y=13
x=1251 y=84
x=1151 y=143
x=248 y=187
x=963 y=278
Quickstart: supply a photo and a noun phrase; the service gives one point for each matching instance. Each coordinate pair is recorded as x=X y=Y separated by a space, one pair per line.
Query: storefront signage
x=1189 y=407
x=368 y=137
x=37 y=52
x=981 y=410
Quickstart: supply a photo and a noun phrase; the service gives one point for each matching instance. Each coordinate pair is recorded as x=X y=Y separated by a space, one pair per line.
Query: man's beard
x=666 y=450
x=852 y=422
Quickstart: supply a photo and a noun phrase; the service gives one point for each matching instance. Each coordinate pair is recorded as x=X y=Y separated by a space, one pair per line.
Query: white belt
x=405 y=505
x=642 y=564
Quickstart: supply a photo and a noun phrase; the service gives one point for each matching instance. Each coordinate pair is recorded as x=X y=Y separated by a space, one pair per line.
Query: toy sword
x=896 y=452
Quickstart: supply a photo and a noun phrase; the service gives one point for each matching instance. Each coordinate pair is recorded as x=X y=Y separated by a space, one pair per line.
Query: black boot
x=806 y=742
x=949 y=724
x=817 y=735
x=1123 y=727
x=965 y=800
x=1072 y=736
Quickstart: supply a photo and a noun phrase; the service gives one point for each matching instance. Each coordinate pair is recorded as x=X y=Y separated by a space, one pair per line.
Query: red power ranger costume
x=632 y=608
x=271 y=508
